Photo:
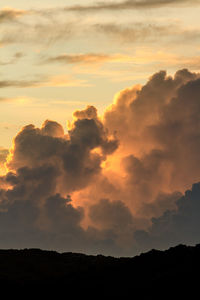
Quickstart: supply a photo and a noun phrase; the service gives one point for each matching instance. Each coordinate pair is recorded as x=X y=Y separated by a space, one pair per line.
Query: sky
x=99 y=124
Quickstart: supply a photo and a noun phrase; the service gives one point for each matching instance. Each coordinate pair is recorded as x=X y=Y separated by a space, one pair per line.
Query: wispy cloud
x=47 y=33
x=129 y=4
x=11 y=14
x=18 y=83
x=54 y=81
x=38 y=32
x=88 y=58
x=17 y=56
x=149 y=32
x=41 y=28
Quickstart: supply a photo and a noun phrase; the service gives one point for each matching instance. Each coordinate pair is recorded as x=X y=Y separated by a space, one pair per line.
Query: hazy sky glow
x=91 y=64
x=122 y=47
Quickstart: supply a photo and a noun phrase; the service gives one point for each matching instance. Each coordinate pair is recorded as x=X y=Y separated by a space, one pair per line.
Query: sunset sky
x=58 y=57
x=99 y=124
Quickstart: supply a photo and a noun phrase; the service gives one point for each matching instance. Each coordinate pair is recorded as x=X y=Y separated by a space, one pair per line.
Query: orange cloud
x=110 y=182
x=9 y=14
x=55 y=81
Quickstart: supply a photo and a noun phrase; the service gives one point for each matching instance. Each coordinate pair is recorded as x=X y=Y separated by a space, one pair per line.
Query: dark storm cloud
x=115 y=215
x=55 y=225
x=72 y=154
x=122 y=169
x=181 y=225
x=32 y=214
x=43 y=161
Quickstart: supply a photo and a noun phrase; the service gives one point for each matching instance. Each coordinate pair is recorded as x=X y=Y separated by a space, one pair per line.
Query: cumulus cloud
x=114 y=216
x=163 y=129
x=3 y=156
x=44 y=164
x=180 y=225
x=156 y=126
x=111 y=184
x=72 y=153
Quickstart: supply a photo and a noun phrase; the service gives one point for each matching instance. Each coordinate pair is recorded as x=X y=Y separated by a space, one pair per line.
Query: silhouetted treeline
x=170 y=274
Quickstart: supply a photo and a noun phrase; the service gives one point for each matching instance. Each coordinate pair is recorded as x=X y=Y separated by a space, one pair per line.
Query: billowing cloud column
x=97 y=187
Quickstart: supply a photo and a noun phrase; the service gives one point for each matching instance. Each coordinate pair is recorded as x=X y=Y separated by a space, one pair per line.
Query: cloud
x=148 y=122
x=145 y=32
x=79 y=58
x=39 y=28
x=111 y=184
x=71 y=153
x=29 y=203
x=3 y=156
x=100 y=58
x=177 y=226
x=10 y=14
x=114 y=216
x=18 y=83
x=17 y=56
x=31 y=217
x=43 y=164
x=54 y=81
x=129 y=4
x=157 y=158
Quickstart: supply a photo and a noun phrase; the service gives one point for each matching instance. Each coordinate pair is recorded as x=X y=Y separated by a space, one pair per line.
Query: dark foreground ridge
x=170 y=274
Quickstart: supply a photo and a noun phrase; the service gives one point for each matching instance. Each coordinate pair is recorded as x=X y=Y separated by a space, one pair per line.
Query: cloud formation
x=111 y=184
x=175 y=227
x=54 y=81
x=10 y=14
x=129 y=4
x=3 y=156
x=140 y=31
x=43 y=30
x=89 y=58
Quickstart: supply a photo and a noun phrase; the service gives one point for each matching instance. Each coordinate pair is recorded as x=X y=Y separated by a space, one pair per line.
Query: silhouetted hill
x=170 y=274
